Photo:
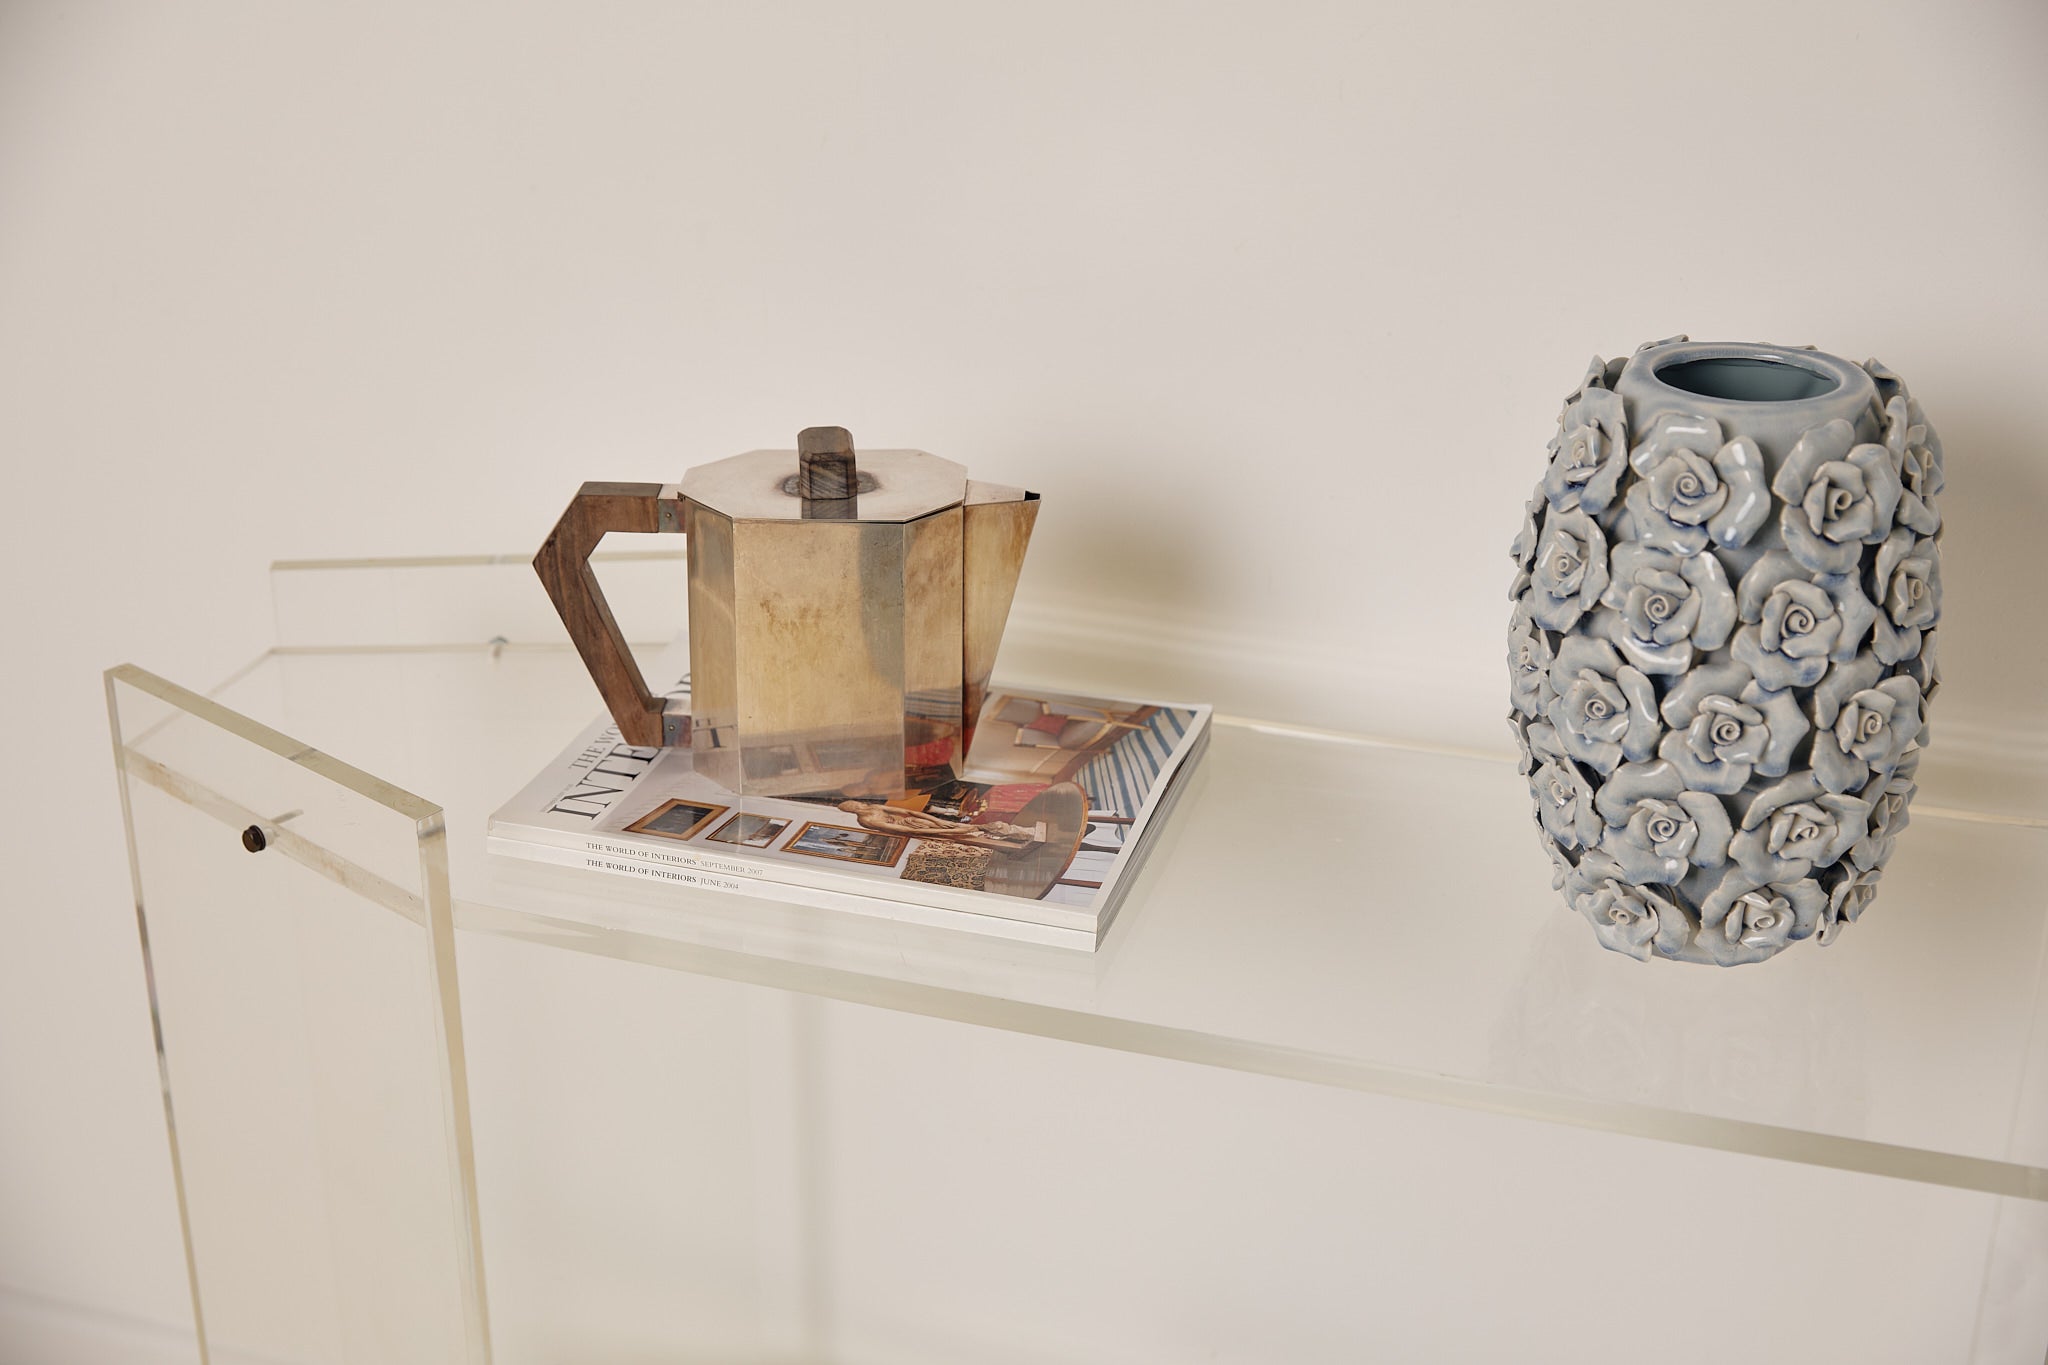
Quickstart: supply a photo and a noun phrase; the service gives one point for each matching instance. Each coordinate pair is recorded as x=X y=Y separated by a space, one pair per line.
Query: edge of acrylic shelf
x=867 y=966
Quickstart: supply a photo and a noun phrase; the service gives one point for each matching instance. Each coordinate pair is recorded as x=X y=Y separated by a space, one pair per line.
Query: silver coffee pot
x=844 y=612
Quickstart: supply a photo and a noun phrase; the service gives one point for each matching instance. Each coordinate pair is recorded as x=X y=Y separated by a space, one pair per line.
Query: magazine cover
x=1036 y=839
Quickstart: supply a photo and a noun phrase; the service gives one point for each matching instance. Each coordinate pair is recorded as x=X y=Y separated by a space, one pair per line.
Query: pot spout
x=996 y=530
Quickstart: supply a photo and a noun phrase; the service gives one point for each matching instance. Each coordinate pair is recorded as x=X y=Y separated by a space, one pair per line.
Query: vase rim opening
x=1745 y=374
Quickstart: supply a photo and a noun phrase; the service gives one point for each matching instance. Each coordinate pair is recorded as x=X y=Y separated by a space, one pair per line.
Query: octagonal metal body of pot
x=826 y=655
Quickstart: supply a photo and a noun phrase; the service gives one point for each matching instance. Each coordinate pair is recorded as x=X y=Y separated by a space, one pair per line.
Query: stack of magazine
x=1038 y=838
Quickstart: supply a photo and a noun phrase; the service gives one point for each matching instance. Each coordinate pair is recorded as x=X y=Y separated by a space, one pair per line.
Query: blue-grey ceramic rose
x=1721 y=652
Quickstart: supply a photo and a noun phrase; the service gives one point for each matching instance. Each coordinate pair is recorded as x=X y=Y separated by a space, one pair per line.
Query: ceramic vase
x=1722 y=644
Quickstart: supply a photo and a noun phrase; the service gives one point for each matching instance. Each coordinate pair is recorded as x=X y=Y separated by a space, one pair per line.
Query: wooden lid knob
x=825 y=469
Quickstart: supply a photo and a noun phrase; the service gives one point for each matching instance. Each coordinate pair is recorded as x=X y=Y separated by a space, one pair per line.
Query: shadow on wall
x=1132 y=545
x=1994 y=548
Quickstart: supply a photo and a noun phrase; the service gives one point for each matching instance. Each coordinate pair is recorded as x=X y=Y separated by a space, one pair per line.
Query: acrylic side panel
x=297 y=937
x=2012 y=1309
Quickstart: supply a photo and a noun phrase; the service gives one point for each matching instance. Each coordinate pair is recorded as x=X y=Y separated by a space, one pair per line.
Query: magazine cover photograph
x=1051 y=791
x=1046 y=814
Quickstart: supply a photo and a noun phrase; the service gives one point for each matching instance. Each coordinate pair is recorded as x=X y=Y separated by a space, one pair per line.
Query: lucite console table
x=308 y=840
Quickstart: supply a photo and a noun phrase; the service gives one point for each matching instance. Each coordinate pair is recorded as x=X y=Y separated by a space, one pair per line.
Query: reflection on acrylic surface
x=1748 y=1045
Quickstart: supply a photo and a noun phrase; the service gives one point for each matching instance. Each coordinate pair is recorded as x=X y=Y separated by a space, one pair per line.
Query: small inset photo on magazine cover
x=677 y=819
x=816 y=840
x=749 y=830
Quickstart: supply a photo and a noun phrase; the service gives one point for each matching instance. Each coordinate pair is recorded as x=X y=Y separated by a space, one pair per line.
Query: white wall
x=1274 y=304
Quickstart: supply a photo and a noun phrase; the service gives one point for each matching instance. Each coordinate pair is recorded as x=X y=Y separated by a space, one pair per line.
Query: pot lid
x=878 y=485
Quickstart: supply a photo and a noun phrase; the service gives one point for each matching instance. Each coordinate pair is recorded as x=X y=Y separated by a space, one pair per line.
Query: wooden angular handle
x=564 y=568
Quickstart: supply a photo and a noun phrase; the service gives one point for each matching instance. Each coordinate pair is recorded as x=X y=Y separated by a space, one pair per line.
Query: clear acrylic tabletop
x=1328 y=907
